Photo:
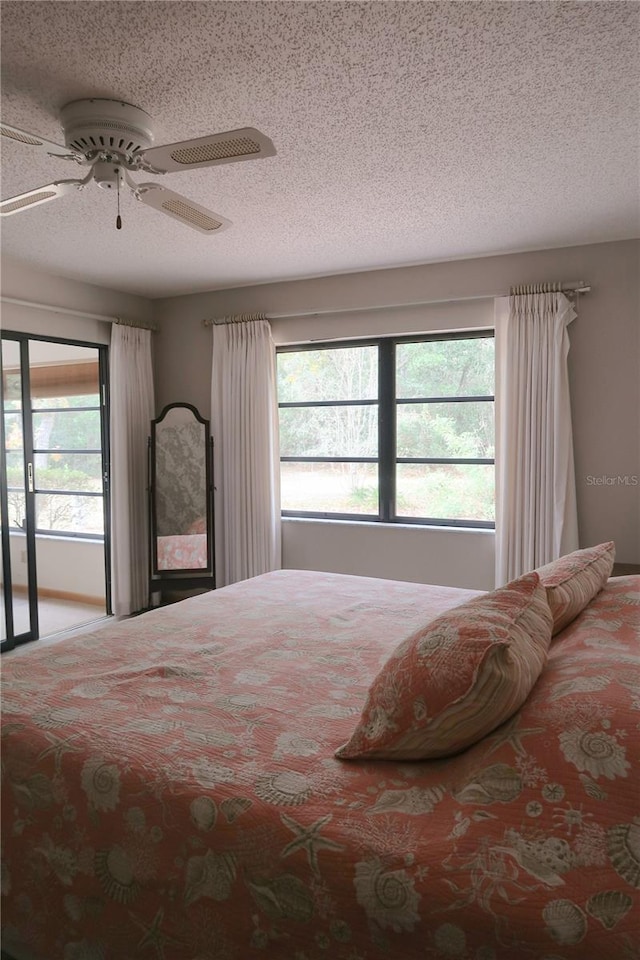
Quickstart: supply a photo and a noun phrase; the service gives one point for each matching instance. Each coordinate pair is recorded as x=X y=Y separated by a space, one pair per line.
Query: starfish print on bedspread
x=59 y=746
x=309 y=839
x=510 y=733
x=153 y=935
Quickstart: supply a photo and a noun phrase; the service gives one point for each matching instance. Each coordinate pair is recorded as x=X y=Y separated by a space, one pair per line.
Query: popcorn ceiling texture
x=406 y=132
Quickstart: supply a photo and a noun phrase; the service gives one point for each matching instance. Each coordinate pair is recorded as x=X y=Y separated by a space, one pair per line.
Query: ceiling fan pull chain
x=118 y=218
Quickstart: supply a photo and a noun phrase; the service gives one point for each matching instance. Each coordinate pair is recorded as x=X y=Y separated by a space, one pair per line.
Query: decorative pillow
x=457 y=678
x=573 y=581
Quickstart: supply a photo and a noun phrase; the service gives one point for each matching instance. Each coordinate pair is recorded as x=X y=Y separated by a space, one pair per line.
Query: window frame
x=102 y=407
x=57 y=532
x=387 y=403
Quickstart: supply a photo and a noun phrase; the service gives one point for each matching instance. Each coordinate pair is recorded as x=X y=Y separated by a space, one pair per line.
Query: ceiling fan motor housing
x=106 y=126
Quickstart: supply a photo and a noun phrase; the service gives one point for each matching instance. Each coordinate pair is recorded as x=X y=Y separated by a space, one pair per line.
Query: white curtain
x=132 y=409
x=536 y=517
x=244 y=417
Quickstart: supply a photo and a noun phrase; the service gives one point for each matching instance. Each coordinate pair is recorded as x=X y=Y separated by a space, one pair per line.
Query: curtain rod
x=236 y=318
x=574 y=286
x=51 y=308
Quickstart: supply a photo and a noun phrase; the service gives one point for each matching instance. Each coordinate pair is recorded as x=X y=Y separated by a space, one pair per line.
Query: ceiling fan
x=113 y=139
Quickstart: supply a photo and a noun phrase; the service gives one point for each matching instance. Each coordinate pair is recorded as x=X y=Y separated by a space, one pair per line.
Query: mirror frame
x=186 y=577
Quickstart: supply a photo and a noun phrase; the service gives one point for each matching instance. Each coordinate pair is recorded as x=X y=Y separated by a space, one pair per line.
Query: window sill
x=370 y=524
x=15 y=532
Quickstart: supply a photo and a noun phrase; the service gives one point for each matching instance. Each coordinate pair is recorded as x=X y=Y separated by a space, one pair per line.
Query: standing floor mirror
x=180 y=502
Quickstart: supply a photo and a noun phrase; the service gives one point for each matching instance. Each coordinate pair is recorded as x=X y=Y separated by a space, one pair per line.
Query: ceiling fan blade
x=243 y=144
x=33 y=140
x=32 y=198
x=180 y=208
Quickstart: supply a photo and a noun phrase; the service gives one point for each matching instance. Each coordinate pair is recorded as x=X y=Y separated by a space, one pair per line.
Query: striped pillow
x=457 y=678
x=573 y=581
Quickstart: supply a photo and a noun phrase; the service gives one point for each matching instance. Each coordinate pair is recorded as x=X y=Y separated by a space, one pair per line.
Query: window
x=66 y=425
x=395 y=430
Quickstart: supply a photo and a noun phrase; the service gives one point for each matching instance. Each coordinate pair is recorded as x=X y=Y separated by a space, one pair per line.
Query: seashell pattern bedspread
x=170 y=790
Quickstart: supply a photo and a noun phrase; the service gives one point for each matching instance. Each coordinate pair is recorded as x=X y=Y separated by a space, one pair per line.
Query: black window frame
x=387 y=402
x=102 y=408
x=42 y=531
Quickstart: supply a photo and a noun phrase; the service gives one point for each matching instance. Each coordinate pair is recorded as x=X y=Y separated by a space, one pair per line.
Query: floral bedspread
x=186 y=552
x=170 y=790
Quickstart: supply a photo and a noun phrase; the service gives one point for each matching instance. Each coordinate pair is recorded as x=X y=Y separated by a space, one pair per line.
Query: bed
x=171 y=790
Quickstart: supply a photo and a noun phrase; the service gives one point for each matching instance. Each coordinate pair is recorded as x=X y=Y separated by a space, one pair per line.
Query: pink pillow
x=457 y=678
x=573 y=581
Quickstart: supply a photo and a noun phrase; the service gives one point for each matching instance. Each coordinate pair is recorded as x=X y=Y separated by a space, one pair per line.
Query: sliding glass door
x=19 y=587
x=54 y=504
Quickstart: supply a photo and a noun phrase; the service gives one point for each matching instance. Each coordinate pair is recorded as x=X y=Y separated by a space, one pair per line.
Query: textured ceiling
x=406 y=132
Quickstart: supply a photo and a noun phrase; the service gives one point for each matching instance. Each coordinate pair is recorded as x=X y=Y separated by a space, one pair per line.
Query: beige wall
x=604 y=370
x=64 y=564
x=449 y=556
x=23 y=283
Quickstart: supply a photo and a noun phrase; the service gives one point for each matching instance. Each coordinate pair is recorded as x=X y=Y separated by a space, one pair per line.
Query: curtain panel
x=132 y=409
x=244 y=417
x=536 y=514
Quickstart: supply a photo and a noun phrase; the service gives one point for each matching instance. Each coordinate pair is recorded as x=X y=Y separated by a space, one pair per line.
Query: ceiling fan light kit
x=113 y=138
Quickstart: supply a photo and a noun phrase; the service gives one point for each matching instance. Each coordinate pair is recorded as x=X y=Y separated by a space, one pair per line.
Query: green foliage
x=55 y=512
x=364 y=499
x=329 y=431
x=58 y=424
x=56 y=478
x=454 y=492
x=67 y=429
x=343 y=373
x=445 y=429
x=445 y=368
